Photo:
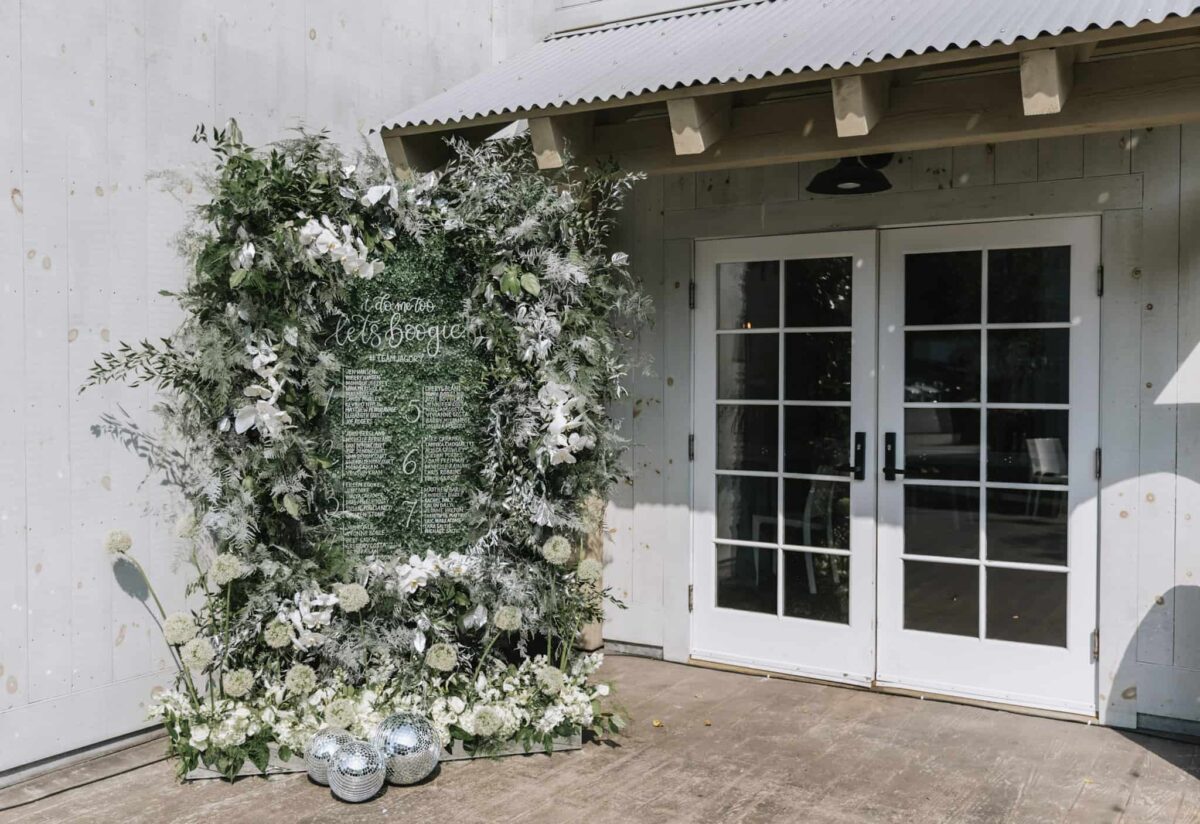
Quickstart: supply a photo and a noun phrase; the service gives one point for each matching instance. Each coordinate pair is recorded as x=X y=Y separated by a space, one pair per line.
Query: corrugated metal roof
x=735 y=43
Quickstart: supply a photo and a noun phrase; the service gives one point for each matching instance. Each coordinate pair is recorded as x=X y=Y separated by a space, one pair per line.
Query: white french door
x=894 y=458
x=785 y=490
x=988 y=390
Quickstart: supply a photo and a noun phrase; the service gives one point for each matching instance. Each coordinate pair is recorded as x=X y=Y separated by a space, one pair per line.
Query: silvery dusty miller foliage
x=244 y=385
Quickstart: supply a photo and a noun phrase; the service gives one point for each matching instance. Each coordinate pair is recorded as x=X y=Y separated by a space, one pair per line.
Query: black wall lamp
x=853 y=176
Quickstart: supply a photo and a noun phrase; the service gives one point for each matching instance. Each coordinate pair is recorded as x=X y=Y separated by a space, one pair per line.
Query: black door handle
x=858 y=469
x=889 y=457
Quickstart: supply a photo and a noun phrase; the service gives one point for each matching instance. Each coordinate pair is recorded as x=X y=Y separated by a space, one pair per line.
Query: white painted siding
x=1146 y=185
x=96 y=117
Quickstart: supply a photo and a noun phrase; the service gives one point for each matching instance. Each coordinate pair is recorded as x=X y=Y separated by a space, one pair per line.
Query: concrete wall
x=1146 y=185
x=96 y=115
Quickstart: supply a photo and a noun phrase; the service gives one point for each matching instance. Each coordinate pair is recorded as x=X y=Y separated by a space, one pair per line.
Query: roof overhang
x=654 y=113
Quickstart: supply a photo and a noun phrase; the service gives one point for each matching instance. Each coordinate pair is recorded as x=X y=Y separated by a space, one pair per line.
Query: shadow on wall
x=1160 y=684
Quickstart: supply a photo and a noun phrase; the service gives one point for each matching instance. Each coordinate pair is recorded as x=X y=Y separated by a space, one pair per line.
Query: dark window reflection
x=746 y=508
x=941 y=520
x=1027 y=606
x=817 y=292
x=748 y=367
x=817 y=366
x=1027 y=526
x=746 y=578
x=1029 y=285
x=816 y=513
x=943 y=287
x=1027 y=445
x=816 y=439
x=941 y=366
x=941 y=443
x=1028 y=365
x=747 y=438
x=816 y=586
x=748 y=295
x=941 y=598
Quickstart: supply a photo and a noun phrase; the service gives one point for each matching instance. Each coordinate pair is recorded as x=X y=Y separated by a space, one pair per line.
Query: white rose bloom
x=199 y=737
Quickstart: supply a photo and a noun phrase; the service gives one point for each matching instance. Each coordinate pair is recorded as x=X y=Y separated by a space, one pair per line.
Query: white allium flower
x=441 y=657
x=341 y=713
x=557 y=550
x=487 y=721
x=277 y=635
x=226 y=568
x=237 y=683
x=179 y=628
x=352 y=597
x=300 y=680
x=508 y=618
x=589 y=570
x=549 y=679
x=197 y=653
x=118 y=542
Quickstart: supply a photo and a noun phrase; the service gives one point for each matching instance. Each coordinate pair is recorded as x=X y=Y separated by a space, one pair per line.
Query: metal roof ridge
x=700 y=8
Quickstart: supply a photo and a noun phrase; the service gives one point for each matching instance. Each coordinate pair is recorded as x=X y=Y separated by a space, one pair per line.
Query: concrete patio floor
x=776 y=750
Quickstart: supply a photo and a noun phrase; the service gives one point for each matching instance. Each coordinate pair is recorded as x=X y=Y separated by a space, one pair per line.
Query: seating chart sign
x=407 y=413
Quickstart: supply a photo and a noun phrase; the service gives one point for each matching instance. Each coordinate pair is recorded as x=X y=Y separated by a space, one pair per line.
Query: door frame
x=697 y=530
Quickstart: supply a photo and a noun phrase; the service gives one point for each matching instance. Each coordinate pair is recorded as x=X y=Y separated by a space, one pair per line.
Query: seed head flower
x=487 y=721
x=300 y=680
x=118 y=543
x=277 y=635
x=237 y=683
x=442 y=657
x=179 y=628
x=557 y=550
x=352 y=597
x=197 y=653
x=227 y=568
x=589 y=570
x=507 y=618
x=550 y=680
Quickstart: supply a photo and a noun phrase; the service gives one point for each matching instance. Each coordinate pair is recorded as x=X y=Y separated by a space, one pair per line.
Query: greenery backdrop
x=289 y=630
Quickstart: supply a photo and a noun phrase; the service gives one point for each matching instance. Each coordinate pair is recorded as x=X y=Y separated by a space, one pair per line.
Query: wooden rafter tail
x=555 y=138
x=698 y=123
x=1047 y=76
x=859 y=102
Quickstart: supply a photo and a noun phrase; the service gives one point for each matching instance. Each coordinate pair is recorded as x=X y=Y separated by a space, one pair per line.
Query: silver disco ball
x=409 y=746
x=356 y=772
x=320 y=752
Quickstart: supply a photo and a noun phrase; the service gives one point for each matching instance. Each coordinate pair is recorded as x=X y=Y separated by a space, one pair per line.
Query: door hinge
x=691 y=294
x=691 y=591
x=1099 y=462
x=691 y=447
x=1100 y=281
x=1095 y=645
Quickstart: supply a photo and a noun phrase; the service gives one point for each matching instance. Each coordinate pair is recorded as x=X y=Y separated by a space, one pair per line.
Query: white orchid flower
x=476 y=618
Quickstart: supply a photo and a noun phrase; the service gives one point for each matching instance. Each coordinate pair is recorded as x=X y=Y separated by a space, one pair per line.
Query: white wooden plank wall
x=1150 y=405
x=95 y=126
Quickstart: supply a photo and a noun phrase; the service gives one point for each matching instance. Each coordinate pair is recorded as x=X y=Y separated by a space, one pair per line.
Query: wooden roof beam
x=558 y=137
x=697 y=123
x=1047 y=76
x=859 y=102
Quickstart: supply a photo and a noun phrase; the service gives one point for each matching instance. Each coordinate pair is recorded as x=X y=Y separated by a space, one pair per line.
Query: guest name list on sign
x=404 y=425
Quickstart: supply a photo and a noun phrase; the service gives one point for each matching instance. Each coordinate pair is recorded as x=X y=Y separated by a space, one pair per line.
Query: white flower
x=589 y=570
x=418 y=643
x=199 y=737
x=245 y=256
x=476 y=618
x=549 y=680
x=456 y=704
x=300 y=680
x=487 y=721
x=352 y=597
x=227 y=568
x=601 y=690
x=557 y=550
x=508 y=618
x=341 y=713
x=378 y=193
x=277 y=635
x=197 y=653
x=237 y=683
x=263 y=416
x=179 y=628
x=441 y=657
x=118 y=543
x=620 y=259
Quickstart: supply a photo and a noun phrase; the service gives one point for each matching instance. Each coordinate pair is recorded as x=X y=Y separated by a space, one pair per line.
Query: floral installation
x=288 y=628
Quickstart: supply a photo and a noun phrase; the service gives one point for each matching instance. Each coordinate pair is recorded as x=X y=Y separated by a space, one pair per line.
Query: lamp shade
x=851 y=176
